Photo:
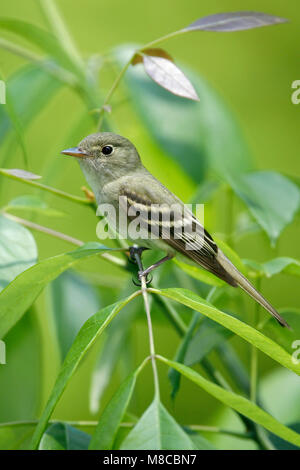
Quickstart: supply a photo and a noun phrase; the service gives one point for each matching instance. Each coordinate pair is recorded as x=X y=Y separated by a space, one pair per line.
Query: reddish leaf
x=154 y=52
x=234 y=21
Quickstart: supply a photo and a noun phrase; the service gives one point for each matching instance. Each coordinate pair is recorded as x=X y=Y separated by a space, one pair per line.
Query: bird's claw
x=138 y=281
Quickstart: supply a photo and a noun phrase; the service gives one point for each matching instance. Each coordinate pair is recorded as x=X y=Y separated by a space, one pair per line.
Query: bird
x=114 y=170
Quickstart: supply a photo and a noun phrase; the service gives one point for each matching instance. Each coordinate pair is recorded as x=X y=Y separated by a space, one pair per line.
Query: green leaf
x=115 y=343
x=201 y=443
x=15 y=436
x=272 y=199
x=33 y=204
x=199 y=273
x=17 y=297
x=251 y=335
x=157 y=430
x=111 y=418
x=234 y=21
x=283 y=336
x=232 y=255
x=21 y=378
x=209 y=335
x=73 y=301
x=173 y=375
x=18 y=250
x=44 y=40
x=61 y=436
x=40 y=88
x=87 y=335
x=276 y=266
x=281 y=444
x=237 y=402
x=187 y=130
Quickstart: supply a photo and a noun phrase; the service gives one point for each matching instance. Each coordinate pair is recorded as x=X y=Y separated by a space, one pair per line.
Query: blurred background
x=250 y=73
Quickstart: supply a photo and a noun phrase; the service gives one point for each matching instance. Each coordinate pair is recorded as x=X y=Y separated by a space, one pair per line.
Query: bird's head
x=105 y=155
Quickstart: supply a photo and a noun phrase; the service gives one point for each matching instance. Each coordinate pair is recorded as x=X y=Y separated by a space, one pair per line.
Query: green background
x=252 y=71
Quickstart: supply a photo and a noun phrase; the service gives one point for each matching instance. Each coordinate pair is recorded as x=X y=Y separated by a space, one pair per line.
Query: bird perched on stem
x=114 y=171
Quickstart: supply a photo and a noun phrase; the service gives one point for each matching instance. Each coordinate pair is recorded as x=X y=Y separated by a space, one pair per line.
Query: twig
x=49 y=189
x=62 y=236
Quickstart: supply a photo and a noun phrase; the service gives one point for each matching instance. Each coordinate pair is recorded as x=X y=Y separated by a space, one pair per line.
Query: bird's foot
x=135 y=257
x=138 y=281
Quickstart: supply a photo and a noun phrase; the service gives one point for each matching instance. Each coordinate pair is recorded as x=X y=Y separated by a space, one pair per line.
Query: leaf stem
x=49 y=189
x=62 y=236
x=111 y=92
x=53 y=69
x=151 y=336
x=58 y=26
x=254 y=353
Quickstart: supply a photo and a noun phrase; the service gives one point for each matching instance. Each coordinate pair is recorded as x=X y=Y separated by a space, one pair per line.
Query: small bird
x=114 y=170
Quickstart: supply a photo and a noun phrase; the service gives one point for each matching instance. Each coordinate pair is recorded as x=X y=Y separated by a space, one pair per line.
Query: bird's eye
x=107 y=150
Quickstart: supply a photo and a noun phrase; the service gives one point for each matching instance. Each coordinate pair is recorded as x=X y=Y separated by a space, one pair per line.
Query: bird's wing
x=169 y=224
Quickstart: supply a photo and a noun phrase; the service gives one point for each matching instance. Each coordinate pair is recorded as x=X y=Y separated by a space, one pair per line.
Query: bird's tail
x=246 y=285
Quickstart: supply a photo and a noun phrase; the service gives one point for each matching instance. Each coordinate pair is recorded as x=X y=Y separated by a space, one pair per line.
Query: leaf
x=114 y=346
x=232 y=255
x=17 y=297
x=39 y=37
x=272 y=199
x=25 y=175
x=237 y=402
x=281 y=444
x=157 y=430
x=112 y=416
x=154 y=52
x=166 y=74
x=62 y=436
x=32 y=204
x=21 y=380
x=234 y=21
x=86 y=337
x=15 y=436
x=174 y=375
x=18 y=250
x=286 y=338
x=40 y=88
x=198 y=137
x=209 y=335
x=200 y=442
x=73 y=301
x=282 y=264
x=251 y=335
x=199 y=273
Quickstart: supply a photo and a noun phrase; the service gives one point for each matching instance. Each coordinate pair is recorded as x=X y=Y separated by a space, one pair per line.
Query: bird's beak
x=75 y=152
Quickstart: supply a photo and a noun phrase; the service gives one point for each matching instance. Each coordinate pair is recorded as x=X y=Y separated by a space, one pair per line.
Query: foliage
x=179 y=114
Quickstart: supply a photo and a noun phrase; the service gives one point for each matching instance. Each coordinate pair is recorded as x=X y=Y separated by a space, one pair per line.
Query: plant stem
x=59 y=28
x=193 y=427
x=62 y=236
x=151 y=336
x=230 y=217
x=254 y=353
x=162 y=39
x=111 y=92
x=53 y=69
x=49 y=189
